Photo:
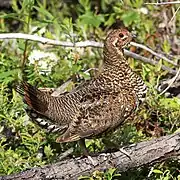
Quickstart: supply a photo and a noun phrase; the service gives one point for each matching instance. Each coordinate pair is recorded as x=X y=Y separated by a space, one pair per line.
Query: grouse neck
x=115 y=59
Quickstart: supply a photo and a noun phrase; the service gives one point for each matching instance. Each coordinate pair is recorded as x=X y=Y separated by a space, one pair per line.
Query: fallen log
x=143 y=153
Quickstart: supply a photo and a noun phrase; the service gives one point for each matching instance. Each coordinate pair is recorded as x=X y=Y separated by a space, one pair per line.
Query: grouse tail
x=33 y=97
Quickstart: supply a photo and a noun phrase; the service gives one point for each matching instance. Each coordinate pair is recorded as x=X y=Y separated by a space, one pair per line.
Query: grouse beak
x=133 y=35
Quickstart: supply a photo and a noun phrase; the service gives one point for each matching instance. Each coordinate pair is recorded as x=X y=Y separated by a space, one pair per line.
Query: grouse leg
x=85 y=151
x=83 y=146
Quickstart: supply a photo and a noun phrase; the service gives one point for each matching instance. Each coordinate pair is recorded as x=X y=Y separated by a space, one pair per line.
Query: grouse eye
x=121 y=35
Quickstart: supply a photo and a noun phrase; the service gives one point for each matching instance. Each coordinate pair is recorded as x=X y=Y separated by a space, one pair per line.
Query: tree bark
x=143 y=153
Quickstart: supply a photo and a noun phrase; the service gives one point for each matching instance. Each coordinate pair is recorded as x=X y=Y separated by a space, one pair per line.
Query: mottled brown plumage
x=96 y=106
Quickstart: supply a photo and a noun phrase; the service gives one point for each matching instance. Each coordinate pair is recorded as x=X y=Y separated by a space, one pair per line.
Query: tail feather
x=37 y=109
x=34 y=98
x=45 y=123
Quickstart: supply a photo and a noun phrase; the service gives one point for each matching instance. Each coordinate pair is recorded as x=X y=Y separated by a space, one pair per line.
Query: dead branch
x=158 y=55
x=149 y=61
x=171 y=82
x=50 y=41
x=92 y=44
x=164 y=3
x=143 y=153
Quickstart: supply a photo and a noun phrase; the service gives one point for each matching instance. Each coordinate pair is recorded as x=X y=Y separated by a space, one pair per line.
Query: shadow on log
x=143 y=153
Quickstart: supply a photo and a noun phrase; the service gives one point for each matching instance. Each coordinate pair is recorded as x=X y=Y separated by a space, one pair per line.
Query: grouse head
x=115 y=42
x=118 y=38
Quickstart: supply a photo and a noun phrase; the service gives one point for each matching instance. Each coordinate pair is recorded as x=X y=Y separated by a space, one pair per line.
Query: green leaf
x=173 y=103
x=90 y=19
x=110 y=20
x=8 y=76
x=166 y=46
x=158 y=66
x=157 y=171
x=178 y=177
x=43 y=11
x=48 y=151
x=129 y=17
x=136 y=3
x=27 y=5
x=85 y=4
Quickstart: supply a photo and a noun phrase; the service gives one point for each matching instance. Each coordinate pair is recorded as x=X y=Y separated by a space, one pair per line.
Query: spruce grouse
x=95 y=106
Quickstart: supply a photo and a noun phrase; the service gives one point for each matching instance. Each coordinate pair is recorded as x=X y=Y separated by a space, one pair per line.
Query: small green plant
x=110 y=174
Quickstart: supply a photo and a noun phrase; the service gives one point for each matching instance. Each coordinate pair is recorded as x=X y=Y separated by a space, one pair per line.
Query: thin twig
x=70 y=44
x=90 y=69
x=61 y=89
x=164 y=3
x=160 y=56
x=174 y=15
x=150 y=61
x=50 y=41
x=171 y=82
x=86 y=44
x=26 y=45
